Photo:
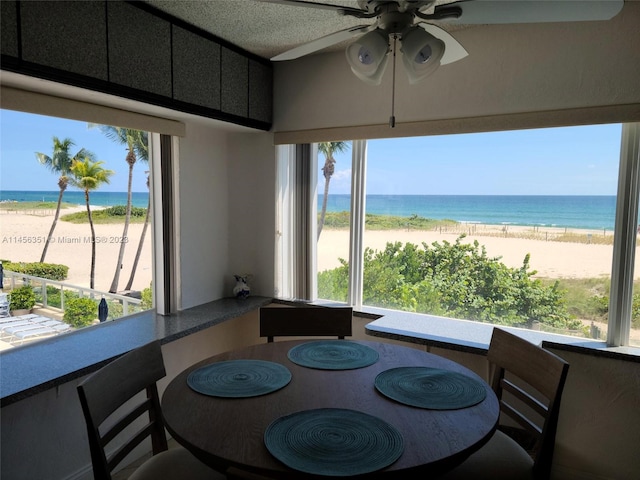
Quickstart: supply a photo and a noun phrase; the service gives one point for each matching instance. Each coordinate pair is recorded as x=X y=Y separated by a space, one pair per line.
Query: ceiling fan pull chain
x=392 y=119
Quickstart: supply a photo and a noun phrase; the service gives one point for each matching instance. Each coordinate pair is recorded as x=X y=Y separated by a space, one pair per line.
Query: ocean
x=570 y=211
x=102 y=199
x=586 y=212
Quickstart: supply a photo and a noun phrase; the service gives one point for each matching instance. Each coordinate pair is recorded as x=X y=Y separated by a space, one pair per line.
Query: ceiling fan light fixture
x=421 y=53
x=368 y=57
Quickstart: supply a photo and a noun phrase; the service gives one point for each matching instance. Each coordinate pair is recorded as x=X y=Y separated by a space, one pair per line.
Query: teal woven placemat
x=333 y=355
x=431 y=388
x=334 y=442
x=239 y=378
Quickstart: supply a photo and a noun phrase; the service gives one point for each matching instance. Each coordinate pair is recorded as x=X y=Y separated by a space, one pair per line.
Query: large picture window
x=76 y=224
x=512 y=228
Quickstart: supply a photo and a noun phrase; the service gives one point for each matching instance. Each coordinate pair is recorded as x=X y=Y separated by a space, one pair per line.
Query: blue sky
x=23 y=134
x=553 y=161
x=556 y=161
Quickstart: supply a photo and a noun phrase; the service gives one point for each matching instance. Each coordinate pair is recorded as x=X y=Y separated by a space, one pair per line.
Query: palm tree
x=89 y=175
x=141 y=242
x=328 y=149
x=60 y=164
x=137 y=144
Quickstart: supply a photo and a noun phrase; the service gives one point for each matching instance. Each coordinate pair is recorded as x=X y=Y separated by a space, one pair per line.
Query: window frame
x=162 y=150
x=625 y=232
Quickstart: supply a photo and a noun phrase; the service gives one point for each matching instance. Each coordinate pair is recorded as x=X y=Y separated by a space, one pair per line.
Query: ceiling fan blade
x=531 y=11
x=323 y=6
x=323 y=42
x=453 y=50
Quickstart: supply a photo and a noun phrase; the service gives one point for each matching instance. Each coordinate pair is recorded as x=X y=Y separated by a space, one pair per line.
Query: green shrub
x=22 y=298
x=53 y=296
x=456 y=280
x=50 y=271
x=115 y=309
x=121 y=211
x=80 y=312
x=147 y=298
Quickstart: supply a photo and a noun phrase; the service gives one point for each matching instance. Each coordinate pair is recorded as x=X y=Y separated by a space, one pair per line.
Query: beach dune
x=550 y=259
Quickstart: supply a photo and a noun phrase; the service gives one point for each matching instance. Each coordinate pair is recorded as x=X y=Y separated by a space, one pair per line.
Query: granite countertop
x=474 y=337
x=30 y=369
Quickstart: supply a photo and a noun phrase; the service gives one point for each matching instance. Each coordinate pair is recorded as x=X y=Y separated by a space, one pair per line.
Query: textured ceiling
x=266 y=29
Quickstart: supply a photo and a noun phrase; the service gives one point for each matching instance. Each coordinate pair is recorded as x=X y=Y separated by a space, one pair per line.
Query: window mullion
x=284 y=248
x=624 y=247
x=356 y=237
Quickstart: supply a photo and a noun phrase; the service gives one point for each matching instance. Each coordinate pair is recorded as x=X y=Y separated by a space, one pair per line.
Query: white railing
x=38 y=283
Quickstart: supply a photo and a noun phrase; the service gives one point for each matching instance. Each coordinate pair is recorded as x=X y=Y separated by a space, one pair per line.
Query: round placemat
x=333 y=355
x=333 y=442
x=239 y=378
x=431 y=388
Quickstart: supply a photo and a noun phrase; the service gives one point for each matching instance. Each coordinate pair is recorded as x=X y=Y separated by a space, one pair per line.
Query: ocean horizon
x=592 y=212
x=97 y=198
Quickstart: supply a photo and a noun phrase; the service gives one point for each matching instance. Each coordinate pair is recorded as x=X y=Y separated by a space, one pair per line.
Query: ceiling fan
x=425 y=46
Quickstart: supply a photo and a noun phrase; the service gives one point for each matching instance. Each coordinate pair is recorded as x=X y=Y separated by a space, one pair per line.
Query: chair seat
x=175 y=464
x=500 y=459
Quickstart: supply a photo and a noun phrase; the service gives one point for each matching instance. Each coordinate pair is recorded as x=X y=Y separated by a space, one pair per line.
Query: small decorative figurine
x=241 y=290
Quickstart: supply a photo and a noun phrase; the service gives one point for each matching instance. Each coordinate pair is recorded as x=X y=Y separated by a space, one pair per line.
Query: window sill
x=474 y=337
x=31 y=369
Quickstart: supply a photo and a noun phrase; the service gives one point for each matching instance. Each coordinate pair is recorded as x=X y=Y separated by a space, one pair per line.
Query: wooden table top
x=225 y=432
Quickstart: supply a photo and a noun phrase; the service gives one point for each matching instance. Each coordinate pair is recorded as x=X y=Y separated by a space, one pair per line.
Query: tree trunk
x=324 y=205
x=53 y=226
x=140 y=244
x=123 y=241
x=93 y=242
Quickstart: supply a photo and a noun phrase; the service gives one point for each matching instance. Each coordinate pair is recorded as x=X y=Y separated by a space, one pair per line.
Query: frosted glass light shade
x=368 y=56
x=421 y=53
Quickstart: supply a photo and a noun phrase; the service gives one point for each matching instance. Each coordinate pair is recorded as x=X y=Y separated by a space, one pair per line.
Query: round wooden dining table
x=226 y=432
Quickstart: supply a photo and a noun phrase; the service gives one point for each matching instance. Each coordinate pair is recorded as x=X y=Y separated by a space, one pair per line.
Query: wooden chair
x=503 y=457
x=106 y=391
x=305 y=321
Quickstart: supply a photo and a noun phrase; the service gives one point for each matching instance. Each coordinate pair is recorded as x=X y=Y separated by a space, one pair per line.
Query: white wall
x=227 y=184
x=251 y=222
x=203 y=207
x=510 y=69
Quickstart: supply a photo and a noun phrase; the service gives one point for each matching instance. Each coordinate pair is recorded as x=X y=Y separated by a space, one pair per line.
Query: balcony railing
x=43 y=293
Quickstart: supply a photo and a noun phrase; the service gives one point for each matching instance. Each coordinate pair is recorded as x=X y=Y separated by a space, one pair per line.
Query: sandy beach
x=550 y=259
x=22 y=239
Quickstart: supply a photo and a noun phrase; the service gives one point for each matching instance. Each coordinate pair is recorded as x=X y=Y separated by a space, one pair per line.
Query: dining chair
x=528 y=381
x=110 y=389
x=305 y=321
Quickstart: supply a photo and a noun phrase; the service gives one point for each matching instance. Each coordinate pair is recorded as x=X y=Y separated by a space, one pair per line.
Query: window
x=69 y=262
x=333 y=212
x=541 y=205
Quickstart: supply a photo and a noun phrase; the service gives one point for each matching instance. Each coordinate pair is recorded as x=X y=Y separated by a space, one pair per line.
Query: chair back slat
x=527 y=424
x=120 y=454
x=122 y=381
x=305 y=321
x=542 y=374
x=111 y=387
x=541 y=371
x=524 y=397
x=125 y=421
